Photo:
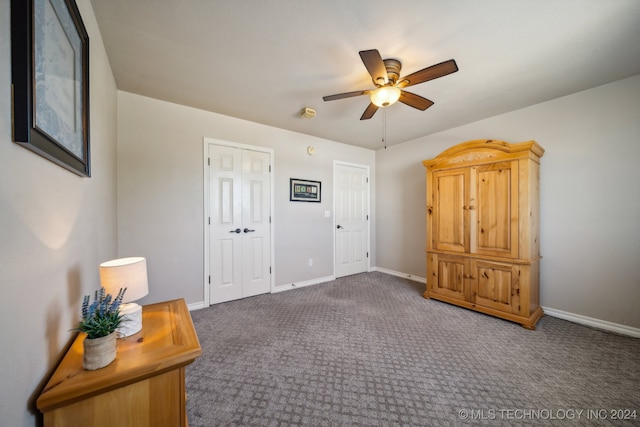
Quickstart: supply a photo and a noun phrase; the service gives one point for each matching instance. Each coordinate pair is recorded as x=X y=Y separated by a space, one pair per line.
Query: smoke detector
x=308 y=113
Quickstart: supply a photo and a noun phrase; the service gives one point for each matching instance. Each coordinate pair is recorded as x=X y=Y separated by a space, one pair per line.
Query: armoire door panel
x=451 y=220
x=497 y=286
x=496 y=232
x=450 y=275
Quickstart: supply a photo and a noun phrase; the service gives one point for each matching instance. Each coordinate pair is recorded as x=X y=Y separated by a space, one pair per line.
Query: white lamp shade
x=130 y=273
x=385 y=95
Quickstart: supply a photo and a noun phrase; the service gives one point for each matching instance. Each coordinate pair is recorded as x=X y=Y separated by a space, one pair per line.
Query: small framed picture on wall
x=302 y=190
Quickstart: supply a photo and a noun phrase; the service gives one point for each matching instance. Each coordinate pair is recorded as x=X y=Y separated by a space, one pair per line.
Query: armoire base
x=526 y=322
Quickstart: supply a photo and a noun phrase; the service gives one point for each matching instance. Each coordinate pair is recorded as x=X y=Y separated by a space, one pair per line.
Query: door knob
x=246 y=230
x=339 y=226
x=237 y=230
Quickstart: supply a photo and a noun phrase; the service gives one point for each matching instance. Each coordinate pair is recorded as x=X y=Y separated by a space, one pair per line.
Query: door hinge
x=367 y=217
x=269 y=168
x=209 y=279
x=209 y=220
x=269 y=269
x=367 y=180
x=367 y=254
x=209 y=161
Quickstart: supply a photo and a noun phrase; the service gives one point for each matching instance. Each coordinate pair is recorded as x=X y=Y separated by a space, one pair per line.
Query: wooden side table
x=144 y=386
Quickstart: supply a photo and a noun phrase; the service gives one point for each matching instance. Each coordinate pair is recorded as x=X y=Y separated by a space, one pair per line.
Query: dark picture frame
x=50 y=81
x=303 y=190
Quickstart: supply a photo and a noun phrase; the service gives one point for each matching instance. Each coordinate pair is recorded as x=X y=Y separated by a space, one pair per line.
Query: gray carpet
x=368 y=350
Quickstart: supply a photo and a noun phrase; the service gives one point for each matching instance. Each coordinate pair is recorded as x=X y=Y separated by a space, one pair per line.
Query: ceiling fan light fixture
x=385 y=96
x=385 y=75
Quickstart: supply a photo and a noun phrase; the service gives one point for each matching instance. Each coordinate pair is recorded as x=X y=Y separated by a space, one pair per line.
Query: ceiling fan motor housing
x=393 y=67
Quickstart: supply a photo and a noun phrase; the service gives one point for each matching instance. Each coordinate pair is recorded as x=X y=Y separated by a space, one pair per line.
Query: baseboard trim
x=290 y=286
x=399 y=274
x=287 y=287
x=592 y=322
x=196 y=306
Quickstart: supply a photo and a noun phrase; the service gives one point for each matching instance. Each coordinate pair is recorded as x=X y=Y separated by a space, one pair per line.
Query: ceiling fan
x=385 y=74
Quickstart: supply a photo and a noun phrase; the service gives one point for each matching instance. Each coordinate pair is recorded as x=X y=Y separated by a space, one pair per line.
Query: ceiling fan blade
x=346 y=95
x=429 y=73
x=375 y=66
x=369 y=112
x=415 y=101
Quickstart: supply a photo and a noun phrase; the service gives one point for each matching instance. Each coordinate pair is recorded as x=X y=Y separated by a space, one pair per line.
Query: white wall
x=55 y=228
x=590 y=209
x=160 y=193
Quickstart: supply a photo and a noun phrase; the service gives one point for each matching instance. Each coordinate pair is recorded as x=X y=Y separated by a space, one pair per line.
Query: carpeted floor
x=368 y=350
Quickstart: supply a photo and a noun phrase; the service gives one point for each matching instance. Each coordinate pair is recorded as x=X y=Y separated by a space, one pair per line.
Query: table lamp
x=130 y=273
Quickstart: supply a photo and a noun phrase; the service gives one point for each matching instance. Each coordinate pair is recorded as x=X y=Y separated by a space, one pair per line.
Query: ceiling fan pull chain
x=384 y=128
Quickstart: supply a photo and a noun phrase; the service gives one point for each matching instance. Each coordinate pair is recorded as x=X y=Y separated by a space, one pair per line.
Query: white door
x=239 y=230
x=352 y=219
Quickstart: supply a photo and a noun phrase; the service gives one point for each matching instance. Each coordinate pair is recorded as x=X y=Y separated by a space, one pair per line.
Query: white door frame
x=366 y=167
x=205 y=165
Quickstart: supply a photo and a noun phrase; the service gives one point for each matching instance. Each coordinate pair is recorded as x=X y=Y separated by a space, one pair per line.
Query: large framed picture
x=50 y=81
x=302 y=190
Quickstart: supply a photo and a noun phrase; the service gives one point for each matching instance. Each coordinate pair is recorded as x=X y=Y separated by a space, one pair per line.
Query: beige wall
x=589 y=198
x=55 y=228
x=161 y=202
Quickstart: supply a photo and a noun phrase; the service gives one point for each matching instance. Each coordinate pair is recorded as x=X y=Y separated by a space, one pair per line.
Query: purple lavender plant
x=102 y=316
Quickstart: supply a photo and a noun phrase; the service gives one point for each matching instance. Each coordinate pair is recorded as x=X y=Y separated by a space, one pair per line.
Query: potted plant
x=100 y=319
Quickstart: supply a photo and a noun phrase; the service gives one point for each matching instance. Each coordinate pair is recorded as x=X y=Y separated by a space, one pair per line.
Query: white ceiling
x=264 y=60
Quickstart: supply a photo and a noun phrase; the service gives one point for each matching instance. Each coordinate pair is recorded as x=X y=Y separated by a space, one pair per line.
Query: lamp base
x=131 y=319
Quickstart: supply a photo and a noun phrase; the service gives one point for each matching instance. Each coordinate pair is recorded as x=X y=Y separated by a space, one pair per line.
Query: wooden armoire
x=483 y=228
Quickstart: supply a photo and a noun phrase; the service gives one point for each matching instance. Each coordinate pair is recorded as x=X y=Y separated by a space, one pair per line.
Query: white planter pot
x=99 y=352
